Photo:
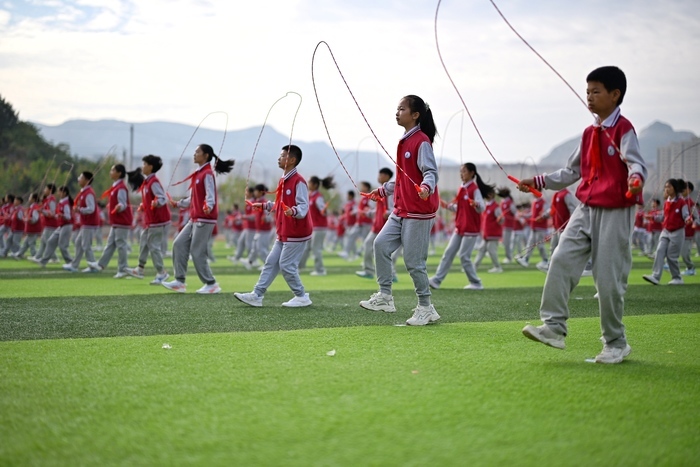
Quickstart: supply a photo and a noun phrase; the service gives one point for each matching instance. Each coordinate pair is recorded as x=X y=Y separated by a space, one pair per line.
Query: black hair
x=20 y=199
x=682 y=184
x=66 y=190
x=34 y=196
x=504 y=192
x=483 y=187
x=121 y=169
x=260 y=187
x=691 y=187
x=386 y=171
x=675 y=183
x=656 y=200
x=235 y=206
x=351 y=193
x=611 y=77
x=221 y=166
x=88 y=176
x=366 y=185
x=154 y=161
x=250 y=190
x=294 y=151
x=326 y=183
x=10 y=198
x=425 y=119
x=136 y=178
x=491 y=189
x=51 y=187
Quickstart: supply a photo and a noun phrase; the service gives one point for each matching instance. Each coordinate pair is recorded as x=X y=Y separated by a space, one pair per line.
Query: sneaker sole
x=536 y=338
x=257 y=305
x=384 y=309
x=650 y=281
x=625 y=353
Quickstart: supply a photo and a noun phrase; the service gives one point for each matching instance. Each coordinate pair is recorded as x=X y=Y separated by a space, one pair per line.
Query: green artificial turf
x=85 y=380
x=449 y=394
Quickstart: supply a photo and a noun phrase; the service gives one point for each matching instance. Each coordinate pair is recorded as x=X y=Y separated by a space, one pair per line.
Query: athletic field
x=99 y=371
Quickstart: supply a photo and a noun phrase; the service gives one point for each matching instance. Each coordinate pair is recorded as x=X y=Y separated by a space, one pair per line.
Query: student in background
x=319 y=220
x=32 y=228
x=64 y=228
x=48 y=218
x=85 y=205
x=491 y=232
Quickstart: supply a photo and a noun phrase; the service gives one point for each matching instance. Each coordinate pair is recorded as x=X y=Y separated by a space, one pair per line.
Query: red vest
x=237 y=221
x=673 y=214
x=538 y=211
x=198 y=197
x=60 y=207
x=122 y=219
x=608 y=188
x=492 y=230
x=362 y=208
x=639 y=219
x=49 y=221
x=6 y=214
x=289 y=228
x=689 y=229
x=560 y=211
x=34 y=228
x=654 y=225
x=407 y=203
x=318 y=218
x=348 y=214
x=508 y=217
x=379 y=220
x=261 y=222
x=16 y=224
x=87 y=220
x=153 y=217
x=467 y=219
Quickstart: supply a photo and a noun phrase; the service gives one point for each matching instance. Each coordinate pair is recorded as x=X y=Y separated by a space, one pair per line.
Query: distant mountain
x=651 y=138
x=93 y=139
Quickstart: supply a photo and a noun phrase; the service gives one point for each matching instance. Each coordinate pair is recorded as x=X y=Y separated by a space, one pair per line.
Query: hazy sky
x=178 y=61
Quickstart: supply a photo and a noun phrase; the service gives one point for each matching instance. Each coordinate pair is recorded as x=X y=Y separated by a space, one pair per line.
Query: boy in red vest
x=612 y=172
x=156 y=219
x=539 y=216
x=294 y=231
x=32 y=228
x=15 y=226
x=120 y=219
x=86 y=206
x=48 y=219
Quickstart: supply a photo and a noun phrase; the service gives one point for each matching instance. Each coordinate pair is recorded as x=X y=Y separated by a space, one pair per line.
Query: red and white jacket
x=468 y=206
x=156 y=212
x=119 y=197
x=675 y=213
x=89 y=220
x=48 y=212
x=317 y=210
x=202 y=193
x=32 y=225
x=63 y=212
x=294 y=194
x=539 y=214
x=491 y=228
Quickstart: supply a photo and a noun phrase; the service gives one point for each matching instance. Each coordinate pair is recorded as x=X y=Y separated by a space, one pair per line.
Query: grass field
x=85 y=378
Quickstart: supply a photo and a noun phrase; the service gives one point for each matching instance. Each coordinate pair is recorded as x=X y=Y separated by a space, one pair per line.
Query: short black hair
x=294 y=151
x=154 y=161
x=611 y=77
x=88 y=176
x=386 y=171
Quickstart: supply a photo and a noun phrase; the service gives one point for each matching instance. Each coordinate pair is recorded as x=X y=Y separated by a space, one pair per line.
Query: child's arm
x=89 y=205
x=383 y=191
x=478 y=203
x=428 y=167
x=632 y=156
x=559 y=179
x=159 y=198
x=301 y=207
x=122 y=197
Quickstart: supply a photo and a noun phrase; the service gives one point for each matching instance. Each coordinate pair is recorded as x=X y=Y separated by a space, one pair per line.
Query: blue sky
x=180 y=60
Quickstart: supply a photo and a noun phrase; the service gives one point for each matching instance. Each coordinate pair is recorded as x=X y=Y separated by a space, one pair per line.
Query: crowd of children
x=593 y=225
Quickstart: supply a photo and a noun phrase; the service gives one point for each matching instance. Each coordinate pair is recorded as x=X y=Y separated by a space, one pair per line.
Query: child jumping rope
x=294 y=231
x=414 y=213
x=204 y=211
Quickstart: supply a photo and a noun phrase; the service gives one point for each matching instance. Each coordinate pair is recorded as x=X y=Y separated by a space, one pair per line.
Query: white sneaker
x=506 y=261
x=120 y=275
x=249 y=298
x=544 y=335
x=596 y=296
x=175 y=286
x=209 y=289
x=472 y=286
x=613 y=354
x=650 y=278
x=135 y=272
x=298 y=302
x=542 y=266
x=160 y=278
x=379 y=302
x=687 y=272
x=364 y=275
x=317 y=273
x=523 y=262
x=69 y=267
x=496 y=270
x=433 y=283
x=89 y=270
x=676 y=282
x=423 y=315
x=246 y=263
x=94 y=265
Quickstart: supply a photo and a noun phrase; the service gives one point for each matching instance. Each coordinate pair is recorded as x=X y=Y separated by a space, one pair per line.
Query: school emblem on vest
x=289 y=192
x=407 y=155
x=611 y=151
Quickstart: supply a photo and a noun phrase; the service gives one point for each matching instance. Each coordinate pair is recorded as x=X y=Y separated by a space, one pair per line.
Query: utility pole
x=131 y=147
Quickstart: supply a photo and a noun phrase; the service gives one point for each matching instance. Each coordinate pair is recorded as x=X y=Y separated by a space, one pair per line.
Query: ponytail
x=66 y=192
x=328 y=182
x=220 y=166
x=135 y=178
x=483 y=187
x=425 y=119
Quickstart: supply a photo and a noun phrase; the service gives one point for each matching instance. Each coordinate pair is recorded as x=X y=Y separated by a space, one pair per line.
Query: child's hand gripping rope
x=635 y=186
